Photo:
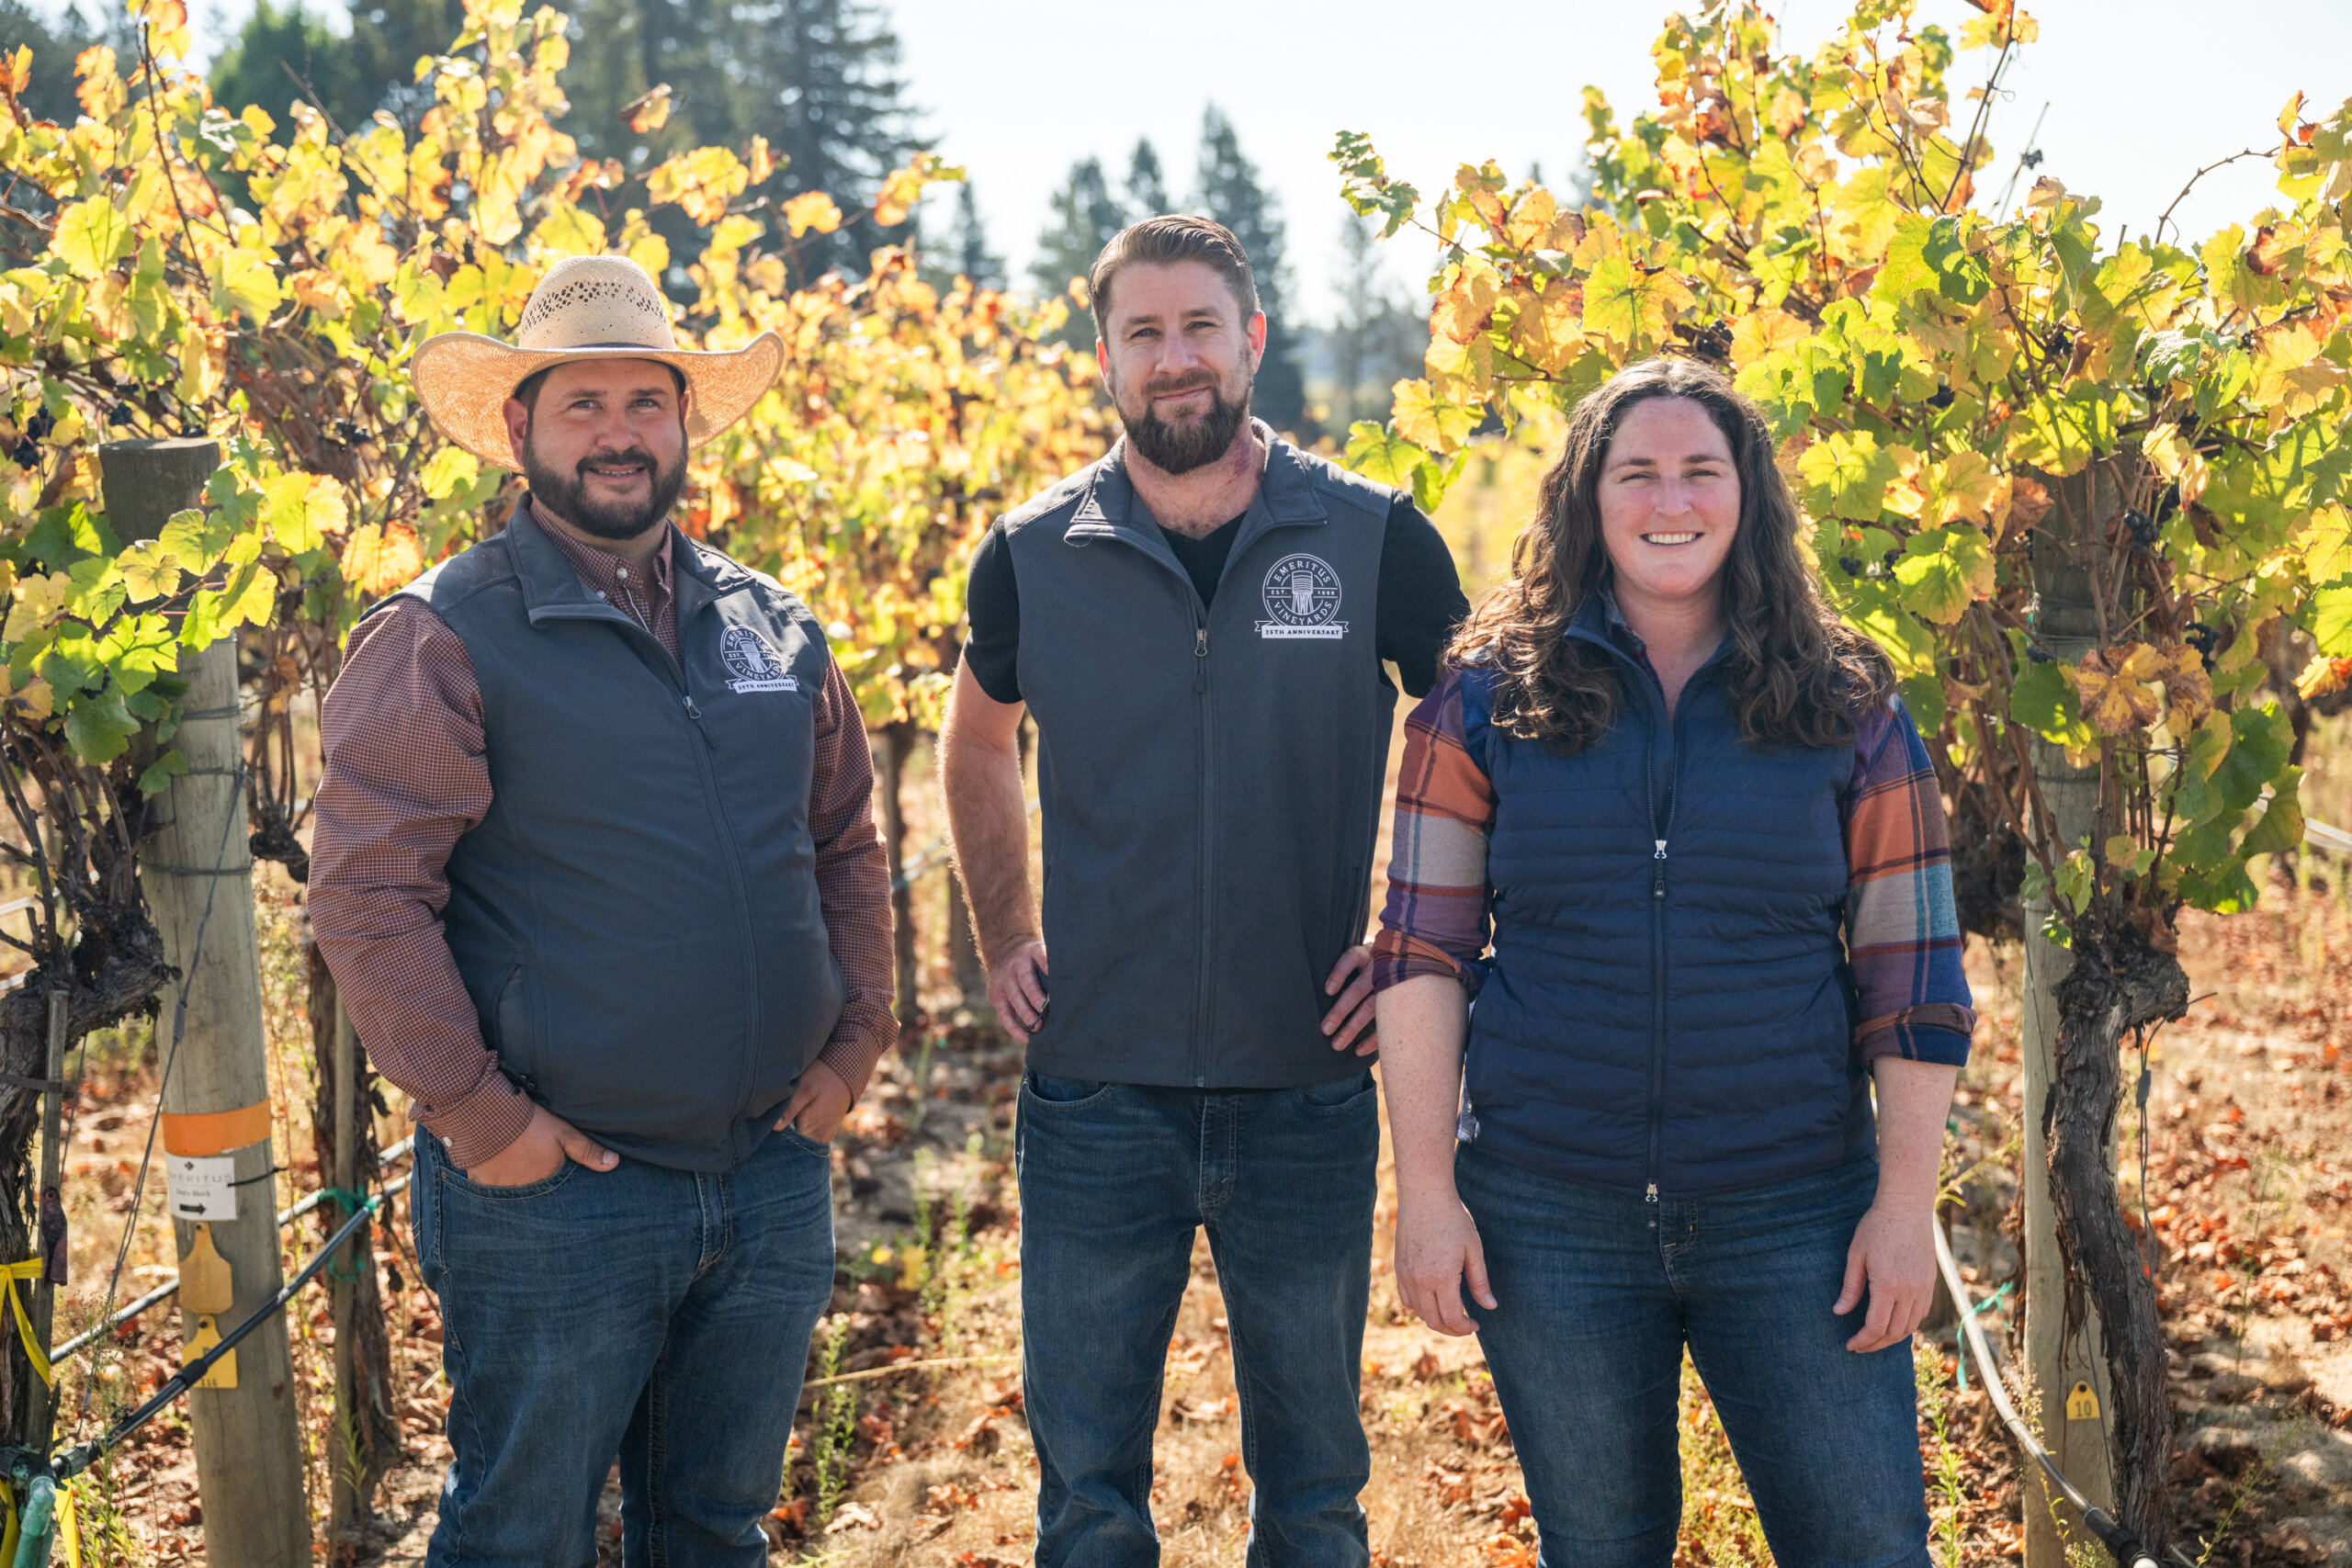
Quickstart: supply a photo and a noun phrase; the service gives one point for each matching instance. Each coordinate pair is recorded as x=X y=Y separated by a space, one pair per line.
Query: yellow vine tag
x=2081 y=1404
x=224 y=1370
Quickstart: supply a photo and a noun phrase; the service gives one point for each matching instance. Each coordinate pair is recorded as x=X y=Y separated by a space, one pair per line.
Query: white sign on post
x=201 y=1187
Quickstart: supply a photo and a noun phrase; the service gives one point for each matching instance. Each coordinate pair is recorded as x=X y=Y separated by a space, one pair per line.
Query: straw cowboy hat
x=585 y=308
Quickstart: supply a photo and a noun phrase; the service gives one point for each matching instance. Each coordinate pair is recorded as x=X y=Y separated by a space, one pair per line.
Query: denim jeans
x=1598 y=1293
x=655 y=1315
x=1115 y=1179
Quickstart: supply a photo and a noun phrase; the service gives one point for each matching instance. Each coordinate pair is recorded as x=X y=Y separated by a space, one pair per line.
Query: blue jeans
x=1115 y=1179
x=1601 y=1291
x=655 y=1315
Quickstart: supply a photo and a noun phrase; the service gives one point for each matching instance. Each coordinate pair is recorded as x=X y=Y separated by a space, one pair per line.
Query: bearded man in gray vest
x=596 y=874
x=1198 y=625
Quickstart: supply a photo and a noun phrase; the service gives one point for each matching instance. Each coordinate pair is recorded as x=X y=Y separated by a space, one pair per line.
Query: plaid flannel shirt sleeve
x=1435 y=919
x=1903 y=936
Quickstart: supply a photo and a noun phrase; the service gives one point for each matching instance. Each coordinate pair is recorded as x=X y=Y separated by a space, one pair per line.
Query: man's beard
x=1179 y=448
x=566 y=495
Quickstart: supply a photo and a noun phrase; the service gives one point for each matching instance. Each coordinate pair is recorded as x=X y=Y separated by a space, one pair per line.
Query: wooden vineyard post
x=196 y=875
x=2059 y=1361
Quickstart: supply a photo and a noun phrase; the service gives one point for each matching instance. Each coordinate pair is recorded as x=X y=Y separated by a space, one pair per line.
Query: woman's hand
x=1438 y=1251
x=1893 y=1259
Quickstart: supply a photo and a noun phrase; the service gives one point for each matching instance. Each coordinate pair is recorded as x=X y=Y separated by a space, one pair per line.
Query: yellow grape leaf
x=2188 y=690
x=2109 y=682
x=245 y=281
x=451 y=468
x=811 y=209
x=20 y=71
x=701 y=183
x=91 y=237
x=2323 y=677
x=1549 y=331
x=302 y=509
x=1962 y=485
x=649 y=111
x=762 y=161
x=1467 y=301
x=36 y=702
x=1460 y=372
x=569 y=229
x=378 y=560
x=1430 y=422
x=37 y=601
x=1531 y=221
x=1629 y=307
x=1758 y=332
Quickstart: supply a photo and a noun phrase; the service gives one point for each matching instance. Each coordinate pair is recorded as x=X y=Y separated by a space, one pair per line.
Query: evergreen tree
x=967 y=250
x=387 y=38
x=1377 y=337
x=818 y=78
x=280 y=56
x=55 y=41
x=1085 y=216
x=1227 y=189
x=1147 y=185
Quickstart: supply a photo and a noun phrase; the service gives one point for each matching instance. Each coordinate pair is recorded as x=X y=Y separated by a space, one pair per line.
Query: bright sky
x=2141 y=93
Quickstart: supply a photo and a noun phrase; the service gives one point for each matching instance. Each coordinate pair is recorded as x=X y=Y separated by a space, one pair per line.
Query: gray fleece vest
x=1211 y=774
x=636 y=917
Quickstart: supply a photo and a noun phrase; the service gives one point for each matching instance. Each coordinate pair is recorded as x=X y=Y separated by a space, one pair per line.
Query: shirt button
x=600 y=593
x=620 y=571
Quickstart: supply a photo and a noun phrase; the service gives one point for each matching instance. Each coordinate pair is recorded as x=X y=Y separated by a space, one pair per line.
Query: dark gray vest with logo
x=636 y=917
x=1211 y=774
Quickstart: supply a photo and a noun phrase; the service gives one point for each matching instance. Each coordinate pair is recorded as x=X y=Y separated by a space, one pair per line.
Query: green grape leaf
x=1945 y=570
x=1847 y=474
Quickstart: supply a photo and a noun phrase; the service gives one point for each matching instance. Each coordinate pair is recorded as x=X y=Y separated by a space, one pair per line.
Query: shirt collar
x=601 y=570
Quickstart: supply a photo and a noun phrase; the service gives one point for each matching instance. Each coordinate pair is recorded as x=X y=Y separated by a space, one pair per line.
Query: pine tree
x=1377 y=337
x=1227 y=189
x=55 y=42
x=387 y=38
x=280 y=56
x=818 y=78
x=1085 y=216
x=1146 y=183
x=967 y=250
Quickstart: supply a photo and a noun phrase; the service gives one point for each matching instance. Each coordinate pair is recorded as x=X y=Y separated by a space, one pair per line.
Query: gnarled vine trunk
x=2117 y=984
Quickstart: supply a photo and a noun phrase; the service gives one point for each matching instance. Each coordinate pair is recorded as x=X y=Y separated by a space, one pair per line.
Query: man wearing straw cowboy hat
x=596 y=874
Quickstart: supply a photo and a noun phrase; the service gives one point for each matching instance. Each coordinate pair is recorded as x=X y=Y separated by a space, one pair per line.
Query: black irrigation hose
x=79 y=1457
x=2111 y=1531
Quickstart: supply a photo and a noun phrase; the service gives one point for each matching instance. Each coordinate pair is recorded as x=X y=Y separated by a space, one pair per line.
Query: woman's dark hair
x=1797 y=675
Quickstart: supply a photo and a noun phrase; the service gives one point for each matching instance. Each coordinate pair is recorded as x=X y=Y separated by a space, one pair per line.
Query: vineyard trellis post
x=196 y=875
x=2059 y=1351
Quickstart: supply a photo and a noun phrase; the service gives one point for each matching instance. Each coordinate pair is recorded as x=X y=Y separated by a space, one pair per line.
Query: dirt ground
x=912 y=1451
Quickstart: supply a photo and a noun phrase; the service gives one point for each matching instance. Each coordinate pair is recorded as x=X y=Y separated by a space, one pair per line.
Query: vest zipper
x=1663 y=825
x=1205 y=874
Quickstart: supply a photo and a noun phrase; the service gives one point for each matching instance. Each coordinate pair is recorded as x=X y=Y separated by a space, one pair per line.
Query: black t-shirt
x=1421 y=599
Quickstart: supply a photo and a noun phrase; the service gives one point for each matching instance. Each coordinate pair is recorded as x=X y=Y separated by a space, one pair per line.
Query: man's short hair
x=1174 y=237
x=527 y=391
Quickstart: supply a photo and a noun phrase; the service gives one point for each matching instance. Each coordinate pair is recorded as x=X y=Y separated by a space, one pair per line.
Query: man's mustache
x=636 y=456
x=1172 y=385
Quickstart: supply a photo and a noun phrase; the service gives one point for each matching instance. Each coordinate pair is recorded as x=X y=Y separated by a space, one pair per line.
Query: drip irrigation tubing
x=165 y=1291
x=80 y=1457
x=2112 y=1533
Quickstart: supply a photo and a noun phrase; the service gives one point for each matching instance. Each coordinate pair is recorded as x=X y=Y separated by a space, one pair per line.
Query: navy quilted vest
x=1668 y=1005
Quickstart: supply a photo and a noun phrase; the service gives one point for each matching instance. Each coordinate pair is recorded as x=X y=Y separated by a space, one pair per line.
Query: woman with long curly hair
x=1665 y=823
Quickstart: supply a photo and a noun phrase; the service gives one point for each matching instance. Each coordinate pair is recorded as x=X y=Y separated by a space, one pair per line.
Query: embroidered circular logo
x=756 y=666
x=1301 y=594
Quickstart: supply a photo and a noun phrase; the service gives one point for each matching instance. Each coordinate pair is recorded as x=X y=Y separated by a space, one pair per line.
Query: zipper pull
x=1651 y=1196
x=1200 y=642
x=692 y=712
x=1199 y=658
x=1657 y=872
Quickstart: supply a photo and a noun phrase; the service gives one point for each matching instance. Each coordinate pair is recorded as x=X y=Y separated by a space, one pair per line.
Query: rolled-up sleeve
x=1435 y=919
x=1903 y=935
x=406 y=777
